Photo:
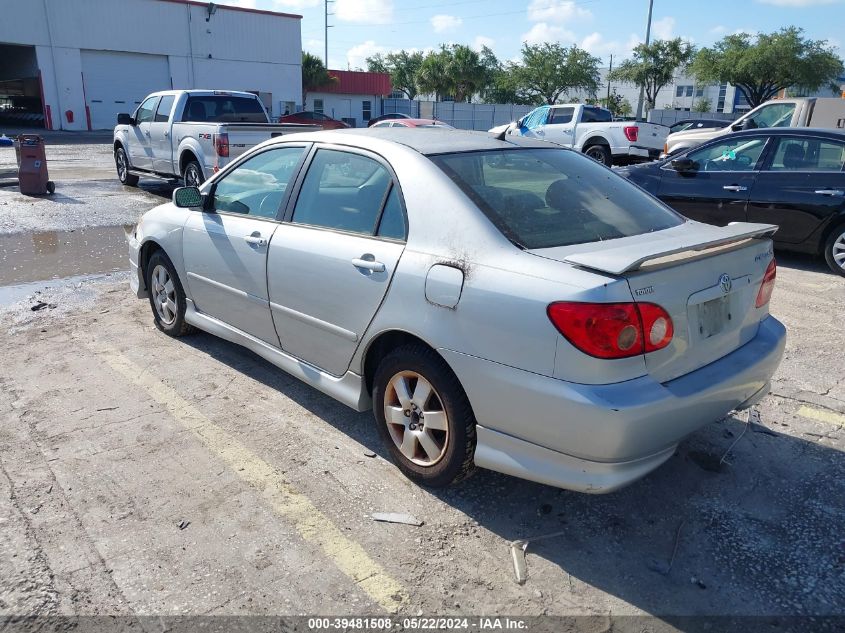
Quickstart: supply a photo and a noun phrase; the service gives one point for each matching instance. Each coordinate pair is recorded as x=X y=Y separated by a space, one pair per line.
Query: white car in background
x=591 y=130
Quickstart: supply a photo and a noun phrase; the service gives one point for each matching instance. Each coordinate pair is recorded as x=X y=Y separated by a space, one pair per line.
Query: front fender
x=160 y=227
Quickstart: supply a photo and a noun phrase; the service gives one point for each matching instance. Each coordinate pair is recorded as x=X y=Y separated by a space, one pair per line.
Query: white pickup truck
x=592 y=130
x=190 y=134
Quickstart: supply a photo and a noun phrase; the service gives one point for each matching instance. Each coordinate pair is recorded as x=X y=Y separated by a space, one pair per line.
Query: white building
x=355 y=97
x=75 y=64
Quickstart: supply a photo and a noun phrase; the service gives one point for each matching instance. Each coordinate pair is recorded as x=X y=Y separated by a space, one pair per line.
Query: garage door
x=117 y=82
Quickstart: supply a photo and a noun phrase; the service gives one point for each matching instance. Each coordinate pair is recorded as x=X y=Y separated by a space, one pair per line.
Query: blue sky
x=604 y=27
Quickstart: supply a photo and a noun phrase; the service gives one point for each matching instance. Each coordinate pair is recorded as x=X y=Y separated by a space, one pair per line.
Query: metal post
x=326 y=27
x=609 y=70
x=647 y=39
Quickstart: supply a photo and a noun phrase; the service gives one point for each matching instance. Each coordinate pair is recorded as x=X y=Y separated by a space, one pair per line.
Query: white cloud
x=719 y=29
x=556 y=11
x=356 y=57
x=663 y=28
x=798 y=3
x=481 y=41
x=442 y=22
x=543 y=32
x=368 y=11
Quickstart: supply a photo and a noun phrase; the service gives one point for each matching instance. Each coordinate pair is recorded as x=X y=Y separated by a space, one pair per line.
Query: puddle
x=43 y=255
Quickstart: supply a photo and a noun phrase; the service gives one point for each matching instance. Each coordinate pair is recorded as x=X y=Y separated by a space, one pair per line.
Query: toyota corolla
x=498 y=303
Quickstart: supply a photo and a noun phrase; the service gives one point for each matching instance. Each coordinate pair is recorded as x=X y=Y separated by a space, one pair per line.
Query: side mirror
x=684 y=165
x=125 y=118
x=745 y=124
x=519 y=121
x=187 y=197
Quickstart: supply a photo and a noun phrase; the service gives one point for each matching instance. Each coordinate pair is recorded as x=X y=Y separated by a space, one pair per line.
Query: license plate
x=713 y=315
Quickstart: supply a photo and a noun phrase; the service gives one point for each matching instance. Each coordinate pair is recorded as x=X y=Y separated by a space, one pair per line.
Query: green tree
x=616 y=103
x=455 y=70
x=314 y=74
x=403 y=68
x=762 y=66
x=549 y=70
x=702 y=105
x=653 y=66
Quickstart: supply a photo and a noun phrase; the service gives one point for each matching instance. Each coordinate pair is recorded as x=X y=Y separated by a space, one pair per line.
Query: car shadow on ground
x=802 y=261
x=759 y=533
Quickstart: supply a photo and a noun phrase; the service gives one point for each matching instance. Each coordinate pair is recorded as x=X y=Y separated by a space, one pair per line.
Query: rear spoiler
x=697 y=237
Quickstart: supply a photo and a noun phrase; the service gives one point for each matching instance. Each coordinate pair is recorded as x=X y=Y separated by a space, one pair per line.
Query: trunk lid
x=705 y=277
x=650 y=135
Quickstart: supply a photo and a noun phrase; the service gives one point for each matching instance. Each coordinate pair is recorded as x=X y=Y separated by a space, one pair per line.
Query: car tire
x=192 y=176
x=167 y=297
x=834 y=250
x=121 y=162
x=600 y=153
x=445 y=456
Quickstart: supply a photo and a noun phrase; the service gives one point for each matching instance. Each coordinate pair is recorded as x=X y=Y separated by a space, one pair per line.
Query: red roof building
x=355 y=82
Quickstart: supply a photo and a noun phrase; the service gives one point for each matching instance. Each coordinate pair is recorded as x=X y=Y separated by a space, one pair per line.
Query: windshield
x=223 y=109
x=540 y=198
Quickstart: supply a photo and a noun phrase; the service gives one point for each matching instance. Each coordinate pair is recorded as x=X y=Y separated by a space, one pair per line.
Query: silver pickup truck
x=191 y=134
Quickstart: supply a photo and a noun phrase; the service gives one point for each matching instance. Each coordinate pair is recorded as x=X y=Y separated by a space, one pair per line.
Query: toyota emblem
x=725 y=283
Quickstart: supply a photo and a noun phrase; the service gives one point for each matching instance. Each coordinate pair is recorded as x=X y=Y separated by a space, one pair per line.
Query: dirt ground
x=146 y=476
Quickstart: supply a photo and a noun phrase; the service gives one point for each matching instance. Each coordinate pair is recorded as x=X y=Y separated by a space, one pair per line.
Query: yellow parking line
x=312 y=525
x=822 y=416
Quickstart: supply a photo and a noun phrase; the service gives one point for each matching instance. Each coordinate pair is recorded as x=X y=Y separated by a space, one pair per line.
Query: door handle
x=255 y=239
x=166 y=134
x=368 y=264
x=830 y=192
x=146 y=133
x=735 y=188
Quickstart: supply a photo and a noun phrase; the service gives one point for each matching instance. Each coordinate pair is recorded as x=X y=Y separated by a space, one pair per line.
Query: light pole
x=647 y=38
x=326 y=31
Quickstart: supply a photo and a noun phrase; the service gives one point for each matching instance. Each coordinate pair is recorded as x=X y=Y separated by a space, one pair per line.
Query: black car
x=697 y=124
x=791 y=177
x=385 y=117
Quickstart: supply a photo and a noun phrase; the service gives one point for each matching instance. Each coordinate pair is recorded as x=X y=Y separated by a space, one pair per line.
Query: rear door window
x=561 y=115
x=796 y=154
x=541 y=198
x=164 y=108
x=342 y=191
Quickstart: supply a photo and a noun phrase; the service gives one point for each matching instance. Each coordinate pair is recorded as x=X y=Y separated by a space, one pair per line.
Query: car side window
x=343 y=191
x=561 y=115
x=774 y=115
x=146 y=110
x=164 y=108
x=595 y=115
x=738 y=154
x=392 y=223
x=257 y=186
x=794 y=154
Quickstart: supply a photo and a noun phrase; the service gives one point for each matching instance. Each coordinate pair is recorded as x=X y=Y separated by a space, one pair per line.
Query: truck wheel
x=834 y=250
x=192 y=176
x=122 y=164
x=600 y=153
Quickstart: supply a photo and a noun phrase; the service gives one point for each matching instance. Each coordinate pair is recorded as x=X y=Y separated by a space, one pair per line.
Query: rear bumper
x=596 y=438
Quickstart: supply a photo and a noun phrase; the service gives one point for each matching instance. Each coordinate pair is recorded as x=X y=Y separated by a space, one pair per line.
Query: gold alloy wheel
x=415 y=418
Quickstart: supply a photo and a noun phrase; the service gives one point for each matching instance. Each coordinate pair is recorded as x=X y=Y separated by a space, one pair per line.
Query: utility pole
x=326 y=28
x=647 y=38
x=609 y=70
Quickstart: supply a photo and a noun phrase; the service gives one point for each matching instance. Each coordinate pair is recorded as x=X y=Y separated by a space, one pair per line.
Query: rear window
x=223 y=109
x=596 y=115
x=541 y=198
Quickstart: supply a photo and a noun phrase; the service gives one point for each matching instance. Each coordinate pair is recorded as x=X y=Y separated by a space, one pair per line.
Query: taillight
x=612 y=330
x=657 y=326
x=768 y=285
x=631 y=132
x=221 y=144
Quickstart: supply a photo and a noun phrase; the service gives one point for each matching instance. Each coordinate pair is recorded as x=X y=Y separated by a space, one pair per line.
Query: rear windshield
x=540 y=198
x=223 y=109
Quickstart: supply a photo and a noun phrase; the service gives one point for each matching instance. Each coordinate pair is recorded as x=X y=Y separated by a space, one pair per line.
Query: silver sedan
x=505 y=304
